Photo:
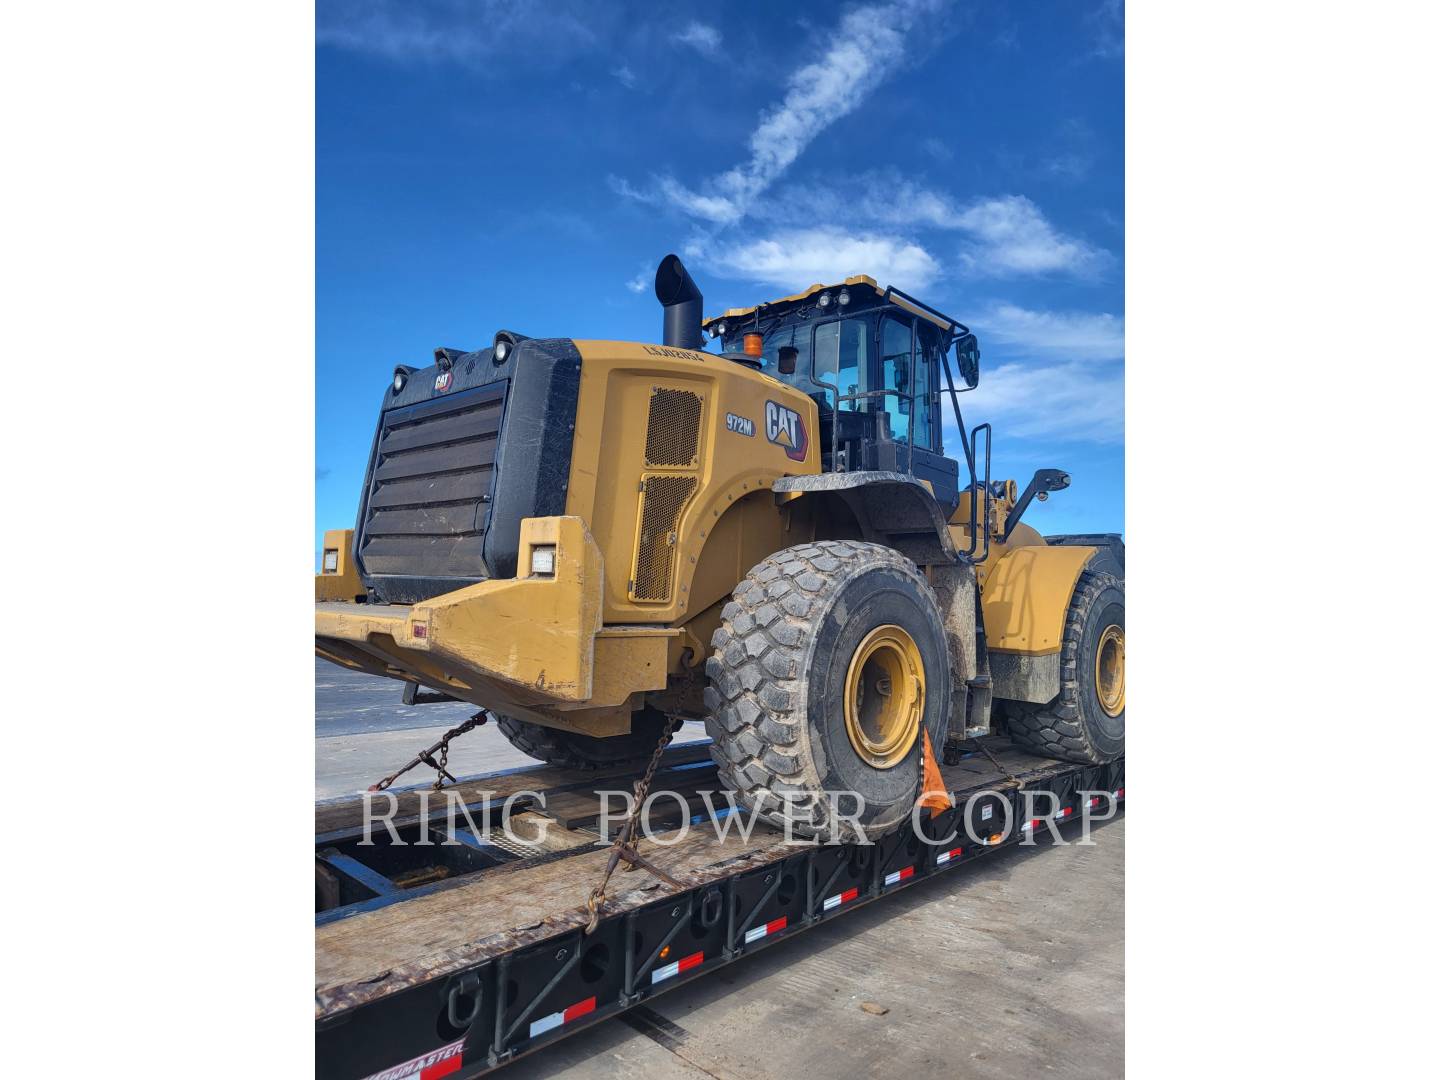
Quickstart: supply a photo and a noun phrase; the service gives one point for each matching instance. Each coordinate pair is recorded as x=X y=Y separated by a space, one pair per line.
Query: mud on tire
x=777 y=682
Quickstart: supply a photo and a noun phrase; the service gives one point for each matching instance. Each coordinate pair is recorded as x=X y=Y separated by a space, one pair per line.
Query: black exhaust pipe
x=682 y=301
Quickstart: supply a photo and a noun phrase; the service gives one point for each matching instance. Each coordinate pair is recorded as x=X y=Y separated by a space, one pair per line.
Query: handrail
x=984 y=524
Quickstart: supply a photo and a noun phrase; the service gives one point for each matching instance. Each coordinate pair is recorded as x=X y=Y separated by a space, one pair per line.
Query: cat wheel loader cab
x=594 y=540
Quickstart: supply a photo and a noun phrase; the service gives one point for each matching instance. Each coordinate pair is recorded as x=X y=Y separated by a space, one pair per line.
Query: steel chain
x=427 y=756
x=627 y=843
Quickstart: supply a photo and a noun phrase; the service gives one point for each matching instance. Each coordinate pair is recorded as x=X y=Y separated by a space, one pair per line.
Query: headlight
x=542 y=560
x=502 y=350
x=398 y=383
x=824 y=300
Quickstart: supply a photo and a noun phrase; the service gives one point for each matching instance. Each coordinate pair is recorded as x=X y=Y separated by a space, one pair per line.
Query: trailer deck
x=450 y=960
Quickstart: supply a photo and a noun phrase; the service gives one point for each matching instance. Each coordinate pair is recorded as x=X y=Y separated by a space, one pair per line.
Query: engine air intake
x=672 y=438
x=662 y=501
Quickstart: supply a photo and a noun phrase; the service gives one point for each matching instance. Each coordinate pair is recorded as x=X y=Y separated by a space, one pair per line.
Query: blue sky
x=525 y=165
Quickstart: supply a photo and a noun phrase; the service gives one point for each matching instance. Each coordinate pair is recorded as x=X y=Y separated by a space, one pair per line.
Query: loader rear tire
x=829 y=659
x=1086 y=720
x=570 y=750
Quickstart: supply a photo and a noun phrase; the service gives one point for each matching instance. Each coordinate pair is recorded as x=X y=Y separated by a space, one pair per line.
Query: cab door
x=906 y=363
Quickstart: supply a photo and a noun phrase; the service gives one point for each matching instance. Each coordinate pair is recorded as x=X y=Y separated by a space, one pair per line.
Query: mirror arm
x=955 y=404
x=1044 y=481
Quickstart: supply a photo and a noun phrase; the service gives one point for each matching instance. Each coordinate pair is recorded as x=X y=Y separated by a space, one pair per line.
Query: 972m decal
x=740 y=425
x=785 y=429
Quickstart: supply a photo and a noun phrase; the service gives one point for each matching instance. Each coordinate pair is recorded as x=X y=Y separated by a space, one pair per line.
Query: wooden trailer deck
x=455 y=923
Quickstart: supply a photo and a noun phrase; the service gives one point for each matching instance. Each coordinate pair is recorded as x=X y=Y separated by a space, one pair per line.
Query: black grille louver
x=427 y=507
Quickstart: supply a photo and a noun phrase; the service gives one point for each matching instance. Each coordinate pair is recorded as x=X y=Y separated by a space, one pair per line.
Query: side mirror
x=967 y=355
x=788 y=356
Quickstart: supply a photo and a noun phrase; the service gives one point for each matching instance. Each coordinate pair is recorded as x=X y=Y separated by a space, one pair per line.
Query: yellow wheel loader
x=593 y=540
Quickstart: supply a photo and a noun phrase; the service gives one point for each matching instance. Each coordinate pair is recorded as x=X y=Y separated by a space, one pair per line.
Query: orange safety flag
x=932 y=789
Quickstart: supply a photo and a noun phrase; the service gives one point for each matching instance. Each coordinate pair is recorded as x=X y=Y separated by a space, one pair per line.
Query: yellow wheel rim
x=1110 y=670
x=884 y=696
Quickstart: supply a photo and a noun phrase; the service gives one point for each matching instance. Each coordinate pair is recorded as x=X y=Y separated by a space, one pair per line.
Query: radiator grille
x=673 y=435
x=661 y=503
x=428 y=503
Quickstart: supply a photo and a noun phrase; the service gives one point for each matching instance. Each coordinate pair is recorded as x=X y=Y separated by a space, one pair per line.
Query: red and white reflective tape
x=1094 y=801
x=564 y=1016
x=1066 y=812
x=1120 y=793
x=774 y=926
x=839 y=898
x=429 y=1066
x=899 y=875
x=685 y=963
x=946 y=856
x=1032 y=823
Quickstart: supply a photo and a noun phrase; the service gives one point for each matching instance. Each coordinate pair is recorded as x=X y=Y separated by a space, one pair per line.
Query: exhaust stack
x=682 y=301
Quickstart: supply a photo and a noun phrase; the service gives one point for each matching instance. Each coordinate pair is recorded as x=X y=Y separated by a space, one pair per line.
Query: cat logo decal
x=786 y=430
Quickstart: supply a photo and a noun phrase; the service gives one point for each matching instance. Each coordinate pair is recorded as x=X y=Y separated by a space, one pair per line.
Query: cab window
x=906 y=367
x=926 y=385
x=797 y=337
x=842 y=356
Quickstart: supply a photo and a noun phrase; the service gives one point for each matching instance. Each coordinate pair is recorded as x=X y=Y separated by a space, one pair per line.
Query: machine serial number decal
x=785 y=429
x=673 y=353
x=739 y=424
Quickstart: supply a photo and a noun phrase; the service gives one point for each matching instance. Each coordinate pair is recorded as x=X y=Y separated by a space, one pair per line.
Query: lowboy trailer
x=451 y=959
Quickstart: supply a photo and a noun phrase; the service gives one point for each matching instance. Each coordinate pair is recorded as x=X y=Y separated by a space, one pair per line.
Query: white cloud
x=796 y=259
x=1014 y=237
x=701 y=37
x=1008 y=235
x=1074 y=335
x=862 y=50
x=1107 y=22
x=470 y=32
x=626 y=76
x=938 y=149
x=1068 y=402
x=639 y=283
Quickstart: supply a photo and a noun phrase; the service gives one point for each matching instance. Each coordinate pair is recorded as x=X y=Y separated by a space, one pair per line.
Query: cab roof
x=854 y=281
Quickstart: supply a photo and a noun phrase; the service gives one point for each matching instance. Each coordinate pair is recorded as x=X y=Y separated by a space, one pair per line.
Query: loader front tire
x=829 y=659
x=570 y=750
x=1086 y=720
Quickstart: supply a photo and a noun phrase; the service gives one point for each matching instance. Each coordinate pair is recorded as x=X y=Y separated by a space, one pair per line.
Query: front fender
x=1026 y=595
x=892 y=509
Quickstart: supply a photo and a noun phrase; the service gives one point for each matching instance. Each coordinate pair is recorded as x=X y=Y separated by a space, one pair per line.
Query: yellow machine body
x=1025 y=584
x=668 y=506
